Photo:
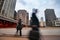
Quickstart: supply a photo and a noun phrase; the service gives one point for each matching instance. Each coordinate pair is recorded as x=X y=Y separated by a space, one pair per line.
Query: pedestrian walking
x=19 y=27
x=34 y=19
x=34 y=33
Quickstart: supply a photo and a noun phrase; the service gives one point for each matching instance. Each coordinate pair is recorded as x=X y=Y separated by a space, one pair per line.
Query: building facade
x=1 y=4
x=24 y=16
x=7 y=8
x=49 y=16
x=56 y=22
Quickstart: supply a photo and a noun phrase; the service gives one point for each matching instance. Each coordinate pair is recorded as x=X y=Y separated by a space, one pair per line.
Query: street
x=46 y=34
x=25 y=31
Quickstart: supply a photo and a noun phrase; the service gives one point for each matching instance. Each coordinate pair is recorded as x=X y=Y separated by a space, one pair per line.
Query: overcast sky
x=41 y=5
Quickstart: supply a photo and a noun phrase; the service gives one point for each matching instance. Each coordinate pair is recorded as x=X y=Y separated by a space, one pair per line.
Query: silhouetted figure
x=34 y=19
x=19 y=27
x=34 y=33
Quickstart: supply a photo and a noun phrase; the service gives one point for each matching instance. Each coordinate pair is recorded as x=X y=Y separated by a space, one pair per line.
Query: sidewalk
x=25 y=31
x=47 y=34
x=13 y=38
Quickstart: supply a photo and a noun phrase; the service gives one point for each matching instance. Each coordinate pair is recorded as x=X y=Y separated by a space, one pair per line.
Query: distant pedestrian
x=19 y=27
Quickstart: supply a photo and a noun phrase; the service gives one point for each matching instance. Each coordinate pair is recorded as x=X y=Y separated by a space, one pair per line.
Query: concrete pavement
x=13 y=38
x=25 y=31
x=47 y=34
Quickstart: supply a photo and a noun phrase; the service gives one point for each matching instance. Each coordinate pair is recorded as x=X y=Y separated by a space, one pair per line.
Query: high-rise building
x=24 y=16
x=7 y=8
x=49 y=16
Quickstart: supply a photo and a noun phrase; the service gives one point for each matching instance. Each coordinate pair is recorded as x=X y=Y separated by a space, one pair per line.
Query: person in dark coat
x=34 y=33
x=19 y=27
x=34 y=19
